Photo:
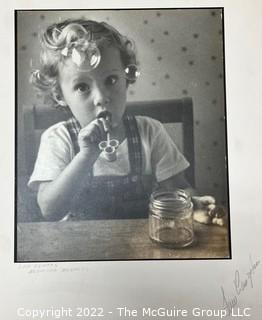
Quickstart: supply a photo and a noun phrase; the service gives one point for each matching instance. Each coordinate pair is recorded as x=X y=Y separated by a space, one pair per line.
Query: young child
x=86 y=68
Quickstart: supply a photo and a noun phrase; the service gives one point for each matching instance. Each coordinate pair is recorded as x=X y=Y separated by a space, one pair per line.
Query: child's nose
x=101 y=98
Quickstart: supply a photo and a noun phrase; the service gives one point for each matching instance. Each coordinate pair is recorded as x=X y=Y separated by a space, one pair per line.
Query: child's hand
x=90 y=136
x=206 y=211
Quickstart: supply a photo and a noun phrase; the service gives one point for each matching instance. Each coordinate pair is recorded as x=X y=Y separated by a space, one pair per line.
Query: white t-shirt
x=160 y=155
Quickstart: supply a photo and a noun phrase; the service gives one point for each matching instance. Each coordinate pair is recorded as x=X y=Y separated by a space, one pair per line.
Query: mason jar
x=171 y=218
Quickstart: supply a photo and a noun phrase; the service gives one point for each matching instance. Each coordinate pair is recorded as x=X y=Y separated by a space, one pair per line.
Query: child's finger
x=90 y=135
x=97 y=128
x=94 y=129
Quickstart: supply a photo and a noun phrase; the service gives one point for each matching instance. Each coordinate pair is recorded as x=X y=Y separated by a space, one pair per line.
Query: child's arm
x=55 y=197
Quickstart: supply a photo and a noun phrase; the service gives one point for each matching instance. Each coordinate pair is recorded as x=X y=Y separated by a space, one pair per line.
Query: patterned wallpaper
x=180 y=52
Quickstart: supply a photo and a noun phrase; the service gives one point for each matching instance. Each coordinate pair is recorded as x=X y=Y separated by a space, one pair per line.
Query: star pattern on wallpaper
x=187 y=50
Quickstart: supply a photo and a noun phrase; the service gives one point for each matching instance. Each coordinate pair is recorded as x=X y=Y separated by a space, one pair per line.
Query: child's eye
x=111 y=80
x=82 y=88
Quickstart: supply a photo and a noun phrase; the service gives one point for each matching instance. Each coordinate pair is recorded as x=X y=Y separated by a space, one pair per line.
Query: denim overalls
x=113 y=197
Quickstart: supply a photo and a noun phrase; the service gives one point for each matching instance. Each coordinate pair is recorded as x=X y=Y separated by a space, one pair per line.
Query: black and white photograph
x=131 y=159
x=121 y=135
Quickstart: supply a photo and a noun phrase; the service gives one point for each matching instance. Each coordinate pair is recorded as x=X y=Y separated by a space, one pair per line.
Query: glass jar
x=171 y=218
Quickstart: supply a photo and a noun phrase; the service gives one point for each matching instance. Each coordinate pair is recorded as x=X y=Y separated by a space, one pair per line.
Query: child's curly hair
x=73 y=33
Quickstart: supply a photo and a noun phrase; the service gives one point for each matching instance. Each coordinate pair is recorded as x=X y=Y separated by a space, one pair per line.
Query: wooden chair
x=39 y=118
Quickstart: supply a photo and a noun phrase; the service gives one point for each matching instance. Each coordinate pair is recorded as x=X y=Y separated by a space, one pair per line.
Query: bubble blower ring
x=109 y=146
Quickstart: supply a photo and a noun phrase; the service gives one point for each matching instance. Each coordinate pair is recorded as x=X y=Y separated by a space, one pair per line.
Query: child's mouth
x=104 y=114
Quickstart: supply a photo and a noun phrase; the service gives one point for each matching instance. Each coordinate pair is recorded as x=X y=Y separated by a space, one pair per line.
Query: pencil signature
x=241 y=283
x=38 y=268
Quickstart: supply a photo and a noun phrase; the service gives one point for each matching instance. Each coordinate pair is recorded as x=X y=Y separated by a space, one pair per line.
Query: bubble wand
x=109 y=146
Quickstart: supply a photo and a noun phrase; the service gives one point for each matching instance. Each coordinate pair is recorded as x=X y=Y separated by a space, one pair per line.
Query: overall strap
x=134 y=145
x=73 y=127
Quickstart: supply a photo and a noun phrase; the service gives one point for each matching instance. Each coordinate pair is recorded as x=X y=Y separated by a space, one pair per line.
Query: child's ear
x=59 y=99
x=62 y=103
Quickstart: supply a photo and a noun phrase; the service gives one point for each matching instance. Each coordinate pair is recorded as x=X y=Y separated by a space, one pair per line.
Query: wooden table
x=111 y=240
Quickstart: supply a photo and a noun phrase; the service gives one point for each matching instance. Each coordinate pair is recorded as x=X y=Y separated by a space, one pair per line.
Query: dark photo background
x=180 y=54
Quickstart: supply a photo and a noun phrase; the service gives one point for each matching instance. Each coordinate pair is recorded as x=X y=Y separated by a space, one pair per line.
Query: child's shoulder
x=57 y=130
x=148 y=124
x=148 y=121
